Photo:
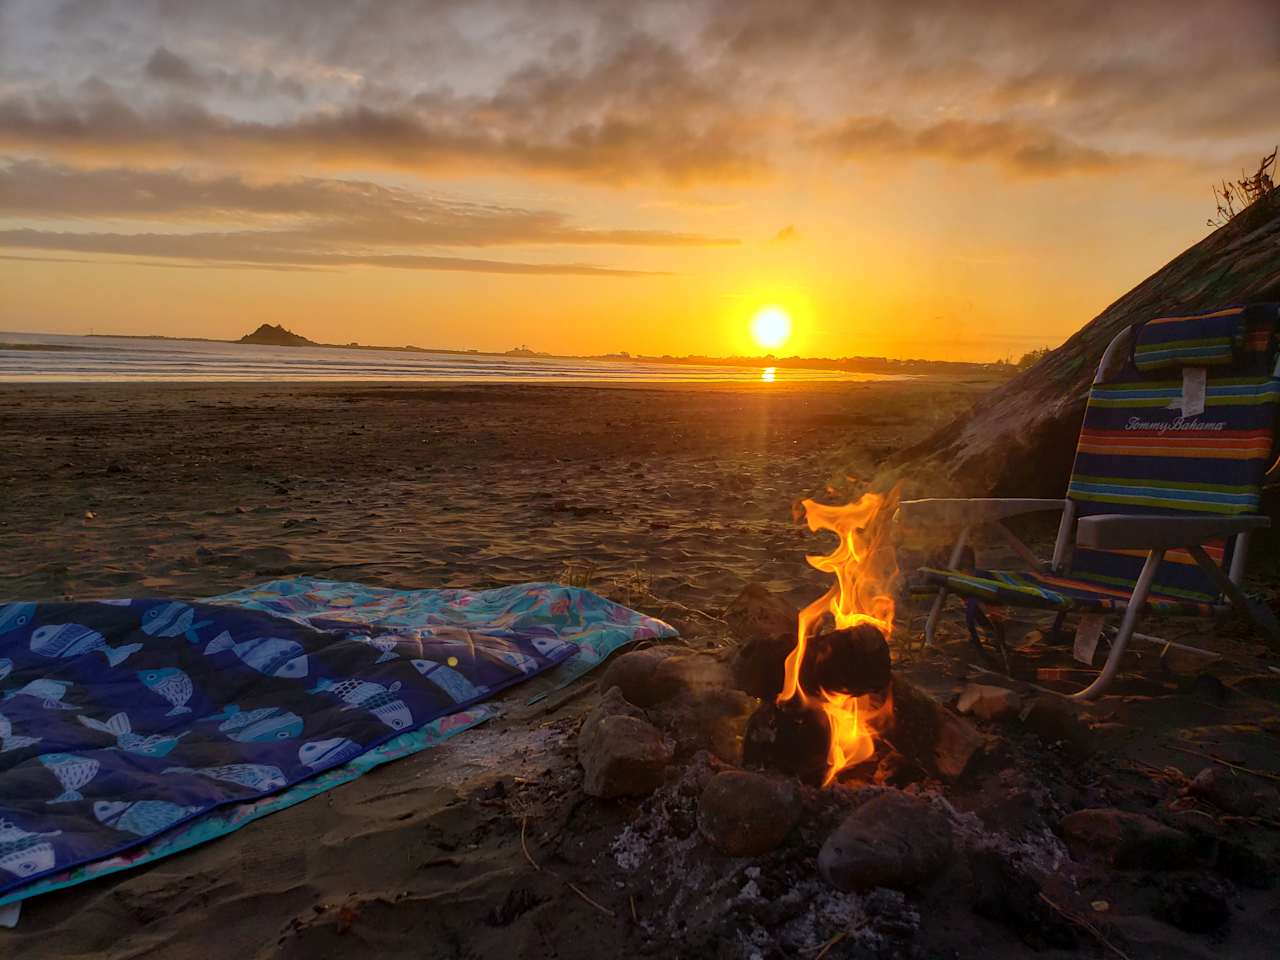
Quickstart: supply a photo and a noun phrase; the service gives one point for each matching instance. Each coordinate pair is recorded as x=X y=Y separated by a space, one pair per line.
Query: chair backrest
x=1140 y=454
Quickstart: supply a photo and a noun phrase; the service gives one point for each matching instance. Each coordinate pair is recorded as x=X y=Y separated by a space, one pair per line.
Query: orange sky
x=966 y=182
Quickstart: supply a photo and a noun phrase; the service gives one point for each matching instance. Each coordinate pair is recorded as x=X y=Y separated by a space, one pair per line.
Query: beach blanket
x=131 y=729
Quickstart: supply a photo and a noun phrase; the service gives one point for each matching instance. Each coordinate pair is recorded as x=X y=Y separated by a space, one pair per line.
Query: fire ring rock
x=1127 y=840
x=624 y=757
x=896 y=841
x=746 y=814
x=633 y=673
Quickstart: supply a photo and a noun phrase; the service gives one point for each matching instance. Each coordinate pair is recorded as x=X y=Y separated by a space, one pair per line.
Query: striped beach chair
x=1178 y=435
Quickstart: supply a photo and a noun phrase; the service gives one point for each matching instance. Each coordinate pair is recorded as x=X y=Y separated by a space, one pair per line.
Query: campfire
x=836 y=693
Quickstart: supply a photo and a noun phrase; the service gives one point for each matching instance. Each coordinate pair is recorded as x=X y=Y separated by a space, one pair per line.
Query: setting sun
x=771 y=327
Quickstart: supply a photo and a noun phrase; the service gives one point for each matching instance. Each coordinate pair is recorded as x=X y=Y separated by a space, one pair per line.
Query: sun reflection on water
x=768 y=374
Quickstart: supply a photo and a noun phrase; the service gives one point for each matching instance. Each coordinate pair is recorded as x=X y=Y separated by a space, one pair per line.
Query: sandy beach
x=669 y=499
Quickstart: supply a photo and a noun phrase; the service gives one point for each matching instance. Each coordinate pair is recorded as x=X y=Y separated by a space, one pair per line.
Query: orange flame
x=865 y=568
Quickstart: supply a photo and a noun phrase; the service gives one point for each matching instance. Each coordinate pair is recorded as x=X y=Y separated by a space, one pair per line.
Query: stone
x=792 y=738
x=989 y=703
x=612 y=704
x=1006 y=892
x=757 y=613
x=758 y=664
x=632 y=673
x=1240 y=863
x=925 y=731
x=746 y=814
x=690 y=673
x=1230 y=792
x=714 y=720
x=1127 y=840
x=1196 y=904
x=895 y=840
x=1059 y=723
x=625 y=757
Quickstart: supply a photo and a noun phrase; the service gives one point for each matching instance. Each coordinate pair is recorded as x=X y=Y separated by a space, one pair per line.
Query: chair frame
x=1155 y=533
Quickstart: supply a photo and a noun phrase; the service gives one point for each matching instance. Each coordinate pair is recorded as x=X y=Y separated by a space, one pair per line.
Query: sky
x=938 y=179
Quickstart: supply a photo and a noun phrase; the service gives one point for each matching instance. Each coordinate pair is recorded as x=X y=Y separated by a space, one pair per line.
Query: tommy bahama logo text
x=1179 y=423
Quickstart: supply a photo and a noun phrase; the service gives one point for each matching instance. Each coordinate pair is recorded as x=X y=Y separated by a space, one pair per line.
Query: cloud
x=305 y=209
x=786 y=234
x=258 y=249
x=1023 y=151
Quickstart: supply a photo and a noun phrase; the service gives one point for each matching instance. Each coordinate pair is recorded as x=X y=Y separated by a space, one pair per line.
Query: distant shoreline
x=847 y=364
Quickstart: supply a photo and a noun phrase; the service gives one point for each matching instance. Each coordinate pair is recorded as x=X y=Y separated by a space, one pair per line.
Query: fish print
x=118 y=726
x=15 y=616
x=255 y=776
x=142 y=817
x=6 y=667
x=270 y=656
x=67 y=640
x=10 y=742
x=455 y=684
x=379 y=700
x=49 y=692
x=173 y=620
x=387 y=646
x=24 y=854
x=170 y=683
x=263 y=725
x=549 y=646
x=72 y=772
x=328 y=753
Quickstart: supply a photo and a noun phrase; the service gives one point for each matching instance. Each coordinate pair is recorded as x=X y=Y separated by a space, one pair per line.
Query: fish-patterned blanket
x=130 y=729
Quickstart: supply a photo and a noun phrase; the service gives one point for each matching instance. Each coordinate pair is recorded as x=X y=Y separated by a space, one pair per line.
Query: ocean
x=50 y=358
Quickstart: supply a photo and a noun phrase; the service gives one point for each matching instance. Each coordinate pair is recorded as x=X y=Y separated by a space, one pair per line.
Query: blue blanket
x=133 y=728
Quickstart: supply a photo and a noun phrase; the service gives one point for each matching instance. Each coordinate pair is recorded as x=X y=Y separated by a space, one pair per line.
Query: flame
x=865 y=568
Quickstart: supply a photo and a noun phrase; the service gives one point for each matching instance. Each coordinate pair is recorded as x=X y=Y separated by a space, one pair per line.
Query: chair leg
x=931 y=625
x=1131 y=614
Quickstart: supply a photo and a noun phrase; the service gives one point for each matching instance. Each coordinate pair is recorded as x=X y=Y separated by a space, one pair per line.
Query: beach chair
x=1178 y=434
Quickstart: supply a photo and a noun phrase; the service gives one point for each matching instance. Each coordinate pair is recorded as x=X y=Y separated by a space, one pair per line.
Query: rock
x=746 y=814
x=714 y=720
x=791 y=738
x=927 y=732
x=612 y=704
x=632 y=673
x=1007 y=893
x=895 y=840
x=757 y=613
x=1196 y=904
x=625 y=757
x=1229 y=792
x=1127 y=840
x=1239 y=862
x=689 y=674
x=988 y=702
x=1059 y=723
x=758 y=664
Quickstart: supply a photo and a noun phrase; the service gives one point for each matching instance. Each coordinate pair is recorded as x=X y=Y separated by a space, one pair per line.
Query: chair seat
x=1025 y=588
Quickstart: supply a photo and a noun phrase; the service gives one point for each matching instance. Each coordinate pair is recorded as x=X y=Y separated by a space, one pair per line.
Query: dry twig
x=524 y=848
x=1084 y=924
x=1262 y=774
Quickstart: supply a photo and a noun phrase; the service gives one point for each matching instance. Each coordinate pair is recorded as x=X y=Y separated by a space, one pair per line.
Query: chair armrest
x=963 y=513
x=1120 y=531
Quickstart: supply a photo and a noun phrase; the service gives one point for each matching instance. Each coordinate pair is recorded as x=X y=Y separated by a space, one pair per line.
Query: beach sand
x=668 y=498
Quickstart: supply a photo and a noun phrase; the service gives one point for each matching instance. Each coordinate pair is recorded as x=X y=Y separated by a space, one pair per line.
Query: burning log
x=792 y=737
x=853 y=661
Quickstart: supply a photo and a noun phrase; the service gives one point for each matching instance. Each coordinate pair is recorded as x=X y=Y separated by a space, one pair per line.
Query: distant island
x=277 y=336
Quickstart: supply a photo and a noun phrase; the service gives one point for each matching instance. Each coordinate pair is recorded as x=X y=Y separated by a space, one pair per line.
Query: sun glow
x=771 y=327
